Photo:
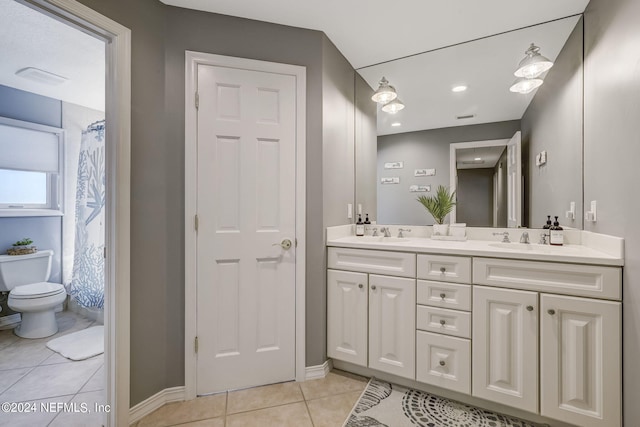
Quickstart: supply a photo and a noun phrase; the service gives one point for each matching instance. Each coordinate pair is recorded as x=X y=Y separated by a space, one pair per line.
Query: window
x=31 y=169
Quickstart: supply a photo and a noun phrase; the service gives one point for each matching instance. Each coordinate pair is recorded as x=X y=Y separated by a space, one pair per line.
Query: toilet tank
x=16 y=270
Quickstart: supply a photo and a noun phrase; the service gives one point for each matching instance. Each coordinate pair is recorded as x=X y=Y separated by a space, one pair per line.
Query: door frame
x=117 y=206
x=192 y=60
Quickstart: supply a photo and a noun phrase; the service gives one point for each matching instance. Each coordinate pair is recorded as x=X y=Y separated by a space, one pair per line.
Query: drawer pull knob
x=551 y=311
x=529 y=308
x=442 y=269
x=442 y=322
x=360 y=285
x=442 y=363
x=443 y=296
x=373 y=287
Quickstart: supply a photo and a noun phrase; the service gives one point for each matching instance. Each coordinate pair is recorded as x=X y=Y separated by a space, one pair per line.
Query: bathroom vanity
x=533 y=327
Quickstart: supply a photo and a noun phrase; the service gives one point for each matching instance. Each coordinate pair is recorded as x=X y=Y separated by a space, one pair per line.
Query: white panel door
x=347 y=299
x=514 y=181
x=392 y=325
x=505 y=347
x=246 y=207
x=581 y=361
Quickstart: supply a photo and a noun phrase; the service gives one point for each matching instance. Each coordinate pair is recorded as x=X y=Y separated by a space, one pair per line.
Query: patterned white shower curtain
x=87 y=281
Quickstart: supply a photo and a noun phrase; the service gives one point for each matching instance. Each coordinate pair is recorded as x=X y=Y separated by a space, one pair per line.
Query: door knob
x=443 y=296
x=360 y=285
x=373 y=287
x=443 y=269
x=285 y=244
x=443 y=322
x=442 y=363
x=551 y=311
x=529 y=308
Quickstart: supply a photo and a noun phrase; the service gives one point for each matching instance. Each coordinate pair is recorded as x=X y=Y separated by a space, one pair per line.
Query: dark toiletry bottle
x=556 y=238
x=366 y=219
x=548 y=225
x=359 y=226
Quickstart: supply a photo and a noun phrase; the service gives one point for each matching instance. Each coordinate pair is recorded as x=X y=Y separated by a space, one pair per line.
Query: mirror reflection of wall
x=549 y=118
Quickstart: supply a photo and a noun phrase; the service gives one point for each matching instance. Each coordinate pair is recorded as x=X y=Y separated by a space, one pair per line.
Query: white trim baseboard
x=8 y=322
x=147 y=406
x=319 y=371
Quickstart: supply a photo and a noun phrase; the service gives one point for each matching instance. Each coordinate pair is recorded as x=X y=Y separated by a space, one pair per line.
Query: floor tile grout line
x=18 y=380
x=306 y=405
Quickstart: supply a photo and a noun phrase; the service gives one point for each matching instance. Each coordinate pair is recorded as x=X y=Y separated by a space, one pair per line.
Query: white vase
x=440 y=229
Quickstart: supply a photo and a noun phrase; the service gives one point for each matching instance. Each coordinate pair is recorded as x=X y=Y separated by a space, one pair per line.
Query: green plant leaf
x=439 y=205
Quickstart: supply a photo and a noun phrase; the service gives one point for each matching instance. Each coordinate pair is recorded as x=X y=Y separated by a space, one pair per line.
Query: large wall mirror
x=461 y=139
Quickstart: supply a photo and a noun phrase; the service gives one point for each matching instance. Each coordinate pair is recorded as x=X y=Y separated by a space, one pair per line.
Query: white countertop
x=578 y=254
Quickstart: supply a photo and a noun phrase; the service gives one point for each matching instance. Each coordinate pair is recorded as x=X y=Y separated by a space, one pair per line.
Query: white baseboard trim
x=318 y=371
x=147 y=406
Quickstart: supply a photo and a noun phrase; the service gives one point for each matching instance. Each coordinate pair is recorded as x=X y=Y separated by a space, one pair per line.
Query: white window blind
x=28 y=149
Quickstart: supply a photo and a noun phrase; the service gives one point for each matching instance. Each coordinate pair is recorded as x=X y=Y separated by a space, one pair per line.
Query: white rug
x=383 y=404
x=80 y=345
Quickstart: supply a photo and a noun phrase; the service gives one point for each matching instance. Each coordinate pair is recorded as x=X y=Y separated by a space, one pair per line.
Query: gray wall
x=475 y=197
x=46 y=232
x=366 y=148
x=419 y=150
x=553 y=122
x=160 y=36
x=611 y=153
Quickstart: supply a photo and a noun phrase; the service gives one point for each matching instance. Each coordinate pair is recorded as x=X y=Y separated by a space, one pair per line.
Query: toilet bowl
x=24 y=277
x=36 y=302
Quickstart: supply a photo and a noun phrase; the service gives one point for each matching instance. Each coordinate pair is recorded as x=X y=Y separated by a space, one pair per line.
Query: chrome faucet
x=543 y=239
x=400 y=230
x=386 y=231
x=524 y=238
x=375 y=232
x=505 y=236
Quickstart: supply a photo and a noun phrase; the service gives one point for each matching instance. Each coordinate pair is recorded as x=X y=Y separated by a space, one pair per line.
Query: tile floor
x=316 y=403
x=30 y=372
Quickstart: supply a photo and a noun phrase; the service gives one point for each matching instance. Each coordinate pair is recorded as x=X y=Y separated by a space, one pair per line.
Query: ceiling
x=371 y=31
x=29 y=38
x=489 y=156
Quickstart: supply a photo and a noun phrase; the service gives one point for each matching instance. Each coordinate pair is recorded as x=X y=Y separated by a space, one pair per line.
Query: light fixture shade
x=385 y=92
x=393 y=106
x=524 y=85
x=533 y=63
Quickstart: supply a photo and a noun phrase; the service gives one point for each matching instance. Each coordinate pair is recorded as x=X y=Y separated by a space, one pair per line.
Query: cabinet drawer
x=375 y=262
x=443 y=361
x=581 y=280
x=443 y=321
x=444 y=295
x=444 y=268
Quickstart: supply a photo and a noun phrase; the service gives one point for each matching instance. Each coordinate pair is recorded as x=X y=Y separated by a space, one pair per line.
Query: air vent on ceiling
x=468 y=116
x=41 y=76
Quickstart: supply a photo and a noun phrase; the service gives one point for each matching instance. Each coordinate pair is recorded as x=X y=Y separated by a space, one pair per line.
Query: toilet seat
x=36 y=290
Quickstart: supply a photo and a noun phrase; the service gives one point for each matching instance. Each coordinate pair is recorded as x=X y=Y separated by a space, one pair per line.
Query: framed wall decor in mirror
x=460 y=94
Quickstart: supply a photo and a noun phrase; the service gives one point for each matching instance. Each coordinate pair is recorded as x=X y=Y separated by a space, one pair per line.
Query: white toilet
x=25 y=277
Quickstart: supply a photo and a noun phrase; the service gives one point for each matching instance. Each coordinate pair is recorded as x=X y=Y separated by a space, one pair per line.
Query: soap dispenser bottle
x=359 y=226
x=548 y=225
x=556 y=238
x=366 y=219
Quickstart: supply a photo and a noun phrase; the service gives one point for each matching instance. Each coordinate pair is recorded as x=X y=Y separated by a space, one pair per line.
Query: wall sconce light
x=533 y=64
x=385 y=92
x=393 y=106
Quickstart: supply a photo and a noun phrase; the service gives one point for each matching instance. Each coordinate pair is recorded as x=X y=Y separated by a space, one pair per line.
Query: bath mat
x=388 y=405
x=80 y=345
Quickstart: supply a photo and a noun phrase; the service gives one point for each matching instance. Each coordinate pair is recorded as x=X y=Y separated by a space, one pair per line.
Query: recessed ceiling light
x=396 y=124
x=41 y=76
x=460 y=88
x=478 y=159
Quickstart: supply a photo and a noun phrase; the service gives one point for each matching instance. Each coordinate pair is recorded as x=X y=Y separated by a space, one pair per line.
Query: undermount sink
x=383 y=239
x=523 y=247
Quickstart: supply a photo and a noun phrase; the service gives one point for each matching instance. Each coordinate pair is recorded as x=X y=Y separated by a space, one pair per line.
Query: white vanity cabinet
x=539 y=335
x=580 y=339
x=371 y=315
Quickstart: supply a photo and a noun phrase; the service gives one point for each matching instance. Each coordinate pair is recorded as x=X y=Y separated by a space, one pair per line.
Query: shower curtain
x=87 y=281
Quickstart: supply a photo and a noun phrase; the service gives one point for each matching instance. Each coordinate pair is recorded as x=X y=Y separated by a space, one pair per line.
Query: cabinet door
x=347 y=295
x=392 y=325
x=505 y=347
x=580 y=360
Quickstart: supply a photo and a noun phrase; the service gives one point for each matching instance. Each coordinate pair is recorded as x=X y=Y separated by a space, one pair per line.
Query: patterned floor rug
x=388 y=405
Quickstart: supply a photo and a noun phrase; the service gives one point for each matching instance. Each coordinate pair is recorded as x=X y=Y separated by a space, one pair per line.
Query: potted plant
x=22 y=247
x=439 y=207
